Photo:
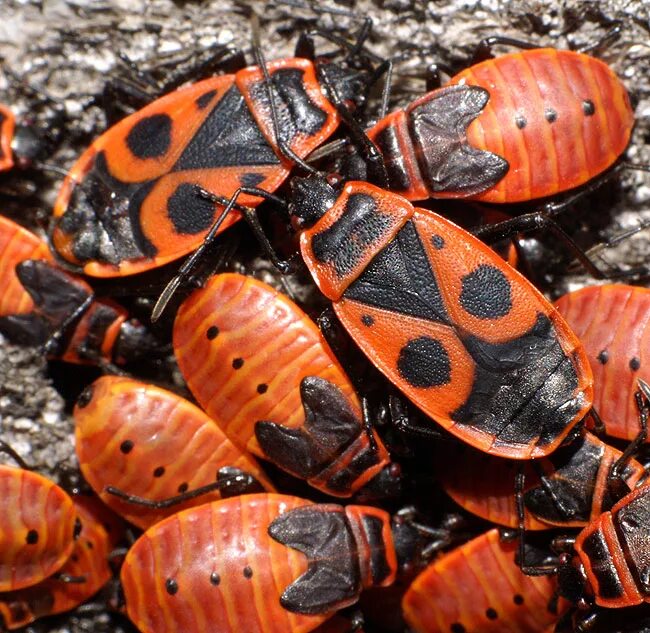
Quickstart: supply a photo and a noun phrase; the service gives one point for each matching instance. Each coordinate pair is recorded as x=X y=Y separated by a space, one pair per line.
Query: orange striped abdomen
x=151 y=443
x=37 y=531
x=215 y=569
x=558 y=117
x=89 y=559
x=258 y=365
x=612 y=322
x=17 y=245
x=479 y=587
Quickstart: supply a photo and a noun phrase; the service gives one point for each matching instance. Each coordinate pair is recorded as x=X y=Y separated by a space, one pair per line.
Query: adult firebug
x=479 y=587
x=461 y=333
x=263 y=371
x=38 y=531
x=264 y=562
x=526 y=125
x=613 y=324
x=568 y=488
x=134 y=200
x=148 y=442
x=43 y=304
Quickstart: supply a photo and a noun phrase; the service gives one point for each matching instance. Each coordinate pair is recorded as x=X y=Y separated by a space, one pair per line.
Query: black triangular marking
x=229 y=137
x=400 y=279
x=53 y=290
x=447 y=161
x=332 y=578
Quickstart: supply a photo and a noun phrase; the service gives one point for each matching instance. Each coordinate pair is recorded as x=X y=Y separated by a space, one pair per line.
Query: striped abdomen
x=521 y=126
x=17 y=245
x=261 y=368
x=151 y=443
x=238 y=564
x=37 y=528
x=89 y=560
x=479 y=587
x=612 y=322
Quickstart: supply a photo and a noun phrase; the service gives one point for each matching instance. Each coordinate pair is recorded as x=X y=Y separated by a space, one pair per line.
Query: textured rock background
x=68 y=48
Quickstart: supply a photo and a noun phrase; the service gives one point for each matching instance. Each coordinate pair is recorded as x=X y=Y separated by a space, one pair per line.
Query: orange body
x=613 y=324
x=485 y=485
x=89 y=560
x=552 y=119
x=145 y=162
x=478 y=587
x=153 y=444
x=17 y=244
x=244 y=350
x=216 y=568
x=37 y=534
x=473 y=307
x=7 y=127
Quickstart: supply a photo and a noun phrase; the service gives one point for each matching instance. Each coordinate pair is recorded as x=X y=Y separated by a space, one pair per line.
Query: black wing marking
x=54 y=291
x=447 y=161
x=332 y=579
x=330 y=426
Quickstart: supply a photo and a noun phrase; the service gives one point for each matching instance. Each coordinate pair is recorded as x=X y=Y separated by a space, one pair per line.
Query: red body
x=245 y=351
x=478 y=587
x=89 y=560
x=613 y=324
x=216 y=134
x=151 y=443
x=38 y=526
x=463 y=335
x=220 y=567
x=549 y=121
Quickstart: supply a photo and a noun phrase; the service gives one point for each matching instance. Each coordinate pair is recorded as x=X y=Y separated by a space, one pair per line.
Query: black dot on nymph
x=171 y=586
x=212 y=332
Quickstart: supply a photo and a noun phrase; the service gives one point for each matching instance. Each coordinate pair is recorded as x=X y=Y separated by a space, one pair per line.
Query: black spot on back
x=212 y=332
x=588 y=107
x=262 y=388
x=189 y=211
x=126 y=446
x=367 y=320
x=491 y=614
x=550 y=115
x=237 y=363
x=424 y=362
x=248 y=572
x=520 y=121
x=32 y=537
x=486 y=293
x=603 y=357
x=635 y=363
x=204 y=100
x=437 y=242
x=183 y=488
x=457 y=627
x=215 y=579
x=171 y=586
x=159 y=471
x=518 y=599
x=251 y=179
x=150 y=137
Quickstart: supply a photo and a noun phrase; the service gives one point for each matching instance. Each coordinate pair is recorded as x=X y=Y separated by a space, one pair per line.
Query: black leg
x=483 y=50
x=616 y=484
x=566 y=513
x=49 y=347
x=248 y=214
x=9 y=450
x=236 y=480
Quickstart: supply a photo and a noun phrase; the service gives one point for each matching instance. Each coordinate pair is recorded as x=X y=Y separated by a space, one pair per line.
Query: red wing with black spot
x=466 y=337
x=133 y=200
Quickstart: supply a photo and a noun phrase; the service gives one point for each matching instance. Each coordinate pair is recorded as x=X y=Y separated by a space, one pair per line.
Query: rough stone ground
x=68 y=48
